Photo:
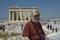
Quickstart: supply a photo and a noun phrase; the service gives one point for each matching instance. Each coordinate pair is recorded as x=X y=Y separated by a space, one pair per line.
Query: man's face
x=37 y=17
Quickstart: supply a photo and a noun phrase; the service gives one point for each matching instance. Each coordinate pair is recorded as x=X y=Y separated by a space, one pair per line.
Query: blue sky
x=48 y=8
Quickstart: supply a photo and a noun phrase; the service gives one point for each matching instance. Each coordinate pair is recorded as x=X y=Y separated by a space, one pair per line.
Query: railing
x=12 y=36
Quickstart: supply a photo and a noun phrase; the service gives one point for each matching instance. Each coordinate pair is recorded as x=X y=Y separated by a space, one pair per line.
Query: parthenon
x=21 y=15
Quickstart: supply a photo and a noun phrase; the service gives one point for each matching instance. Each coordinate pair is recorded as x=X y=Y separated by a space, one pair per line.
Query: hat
x=36 y=13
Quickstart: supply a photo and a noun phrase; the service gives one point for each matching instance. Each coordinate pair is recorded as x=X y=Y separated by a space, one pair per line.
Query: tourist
x=33 y=29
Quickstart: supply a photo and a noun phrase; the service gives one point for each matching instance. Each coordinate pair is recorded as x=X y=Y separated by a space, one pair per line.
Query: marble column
x=9 y=16
x=17 y=15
